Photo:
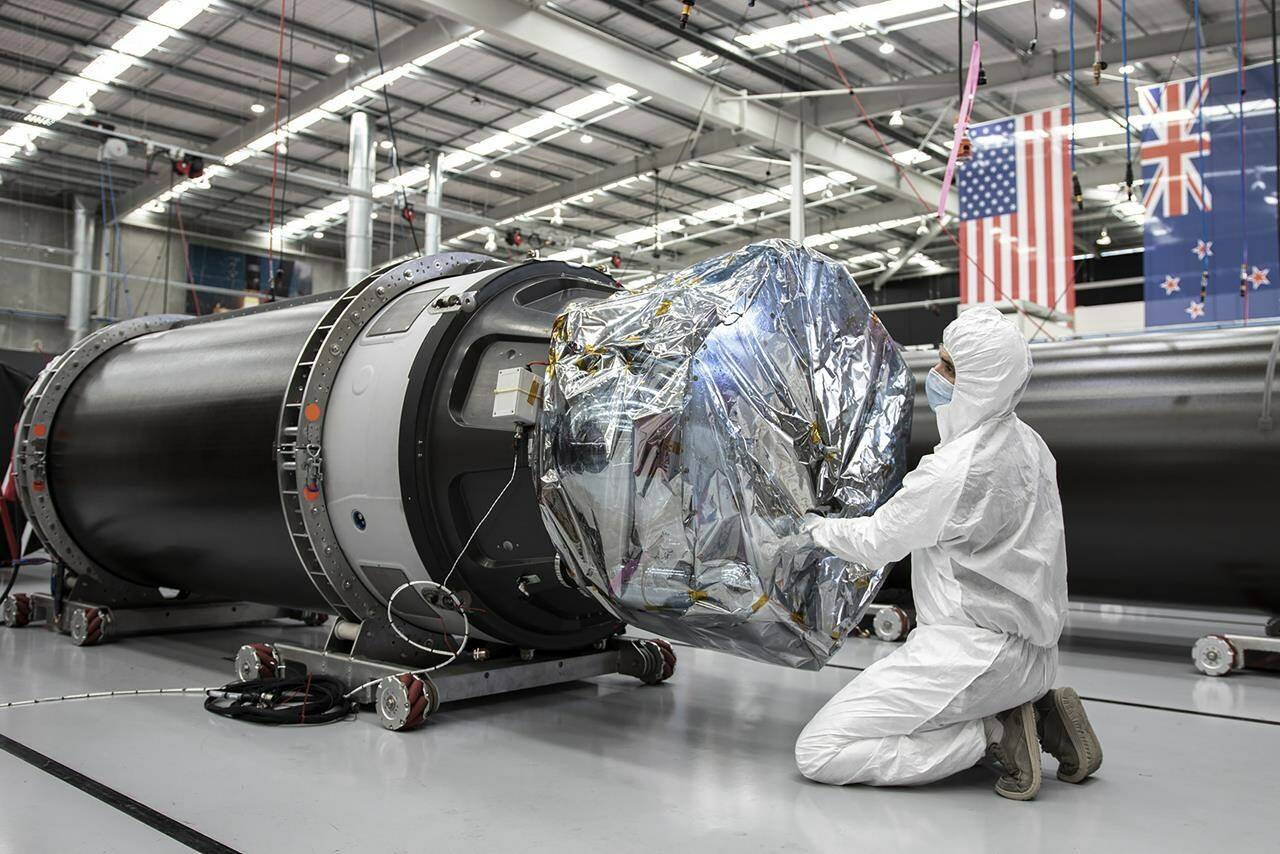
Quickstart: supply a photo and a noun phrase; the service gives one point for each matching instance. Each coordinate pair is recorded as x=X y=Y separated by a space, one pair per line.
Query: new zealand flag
x=1204 y=224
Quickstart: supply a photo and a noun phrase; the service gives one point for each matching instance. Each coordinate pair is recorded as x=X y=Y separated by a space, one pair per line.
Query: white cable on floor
x=99 y=695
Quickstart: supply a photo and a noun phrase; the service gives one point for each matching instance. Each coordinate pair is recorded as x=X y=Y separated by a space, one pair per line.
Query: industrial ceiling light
x=895 y=120
x=257 y=108
x=495 y=173
x=384 y=144
x=586 y=139
x=894 y=250
x=696 y=60
x=318 y=235
x=556 y=218
x=1127 y=69
x=491 y=242
x=587 y=199
x=1058 y=12
x=887 y=48
x=1104 y=239
x=29 y=147
x=87 y=108
x=373 y=215
x=833 y=246
x=342 y=58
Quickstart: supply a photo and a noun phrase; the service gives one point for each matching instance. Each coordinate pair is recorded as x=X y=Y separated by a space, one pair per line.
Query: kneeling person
x=982 y=520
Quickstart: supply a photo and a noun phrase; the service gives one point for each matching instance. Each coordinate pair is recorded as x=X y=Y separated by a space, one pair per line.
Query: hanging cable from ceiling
x=1275 y=116
x=1205 y=249
x=117 y=251
x=275 y=143
x=267 y=281
x=1241 y=37
x=1128 y=127
x=1035 y=23
x=406 y=209
x=1076 y=191
x=1098 y=65
x=982 y=72
x=960 y=51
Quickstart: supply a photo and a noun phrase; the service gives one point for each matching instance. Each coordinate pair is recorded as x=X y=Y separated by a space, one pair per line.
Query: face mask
x=937 y=389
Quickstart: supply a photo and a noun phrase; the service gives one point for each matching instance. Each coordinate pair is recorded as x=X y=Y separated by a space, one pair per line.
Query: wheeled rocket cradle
x=314 y=455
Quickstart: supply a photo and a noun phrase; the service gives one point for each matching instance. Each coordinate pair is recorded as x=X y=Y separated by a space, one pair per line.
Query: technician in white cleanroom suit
x=982 y=521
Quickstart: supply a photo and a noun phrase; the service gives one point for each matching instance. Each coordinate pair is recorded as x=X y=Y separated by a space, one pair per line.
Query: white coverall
x=982 y=520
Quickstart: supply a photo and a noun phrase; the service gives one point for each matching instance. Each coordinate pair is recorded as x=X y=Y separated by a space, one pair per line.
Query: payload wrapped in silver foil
x=687 y=428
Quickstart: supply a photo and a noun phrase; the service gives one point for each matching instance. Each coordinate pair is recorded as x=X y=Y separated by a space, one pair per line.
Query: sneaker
x=1018 y=753
x=1066 y=734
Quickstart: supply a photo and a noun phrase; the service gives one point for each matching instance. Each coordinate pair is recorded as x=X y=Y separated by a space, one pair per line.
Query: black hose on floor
x=284 y=700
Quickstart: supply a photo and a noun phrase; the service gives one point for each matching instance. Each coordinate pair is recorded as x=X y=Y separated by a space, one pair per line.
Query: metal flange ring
x=36 y=426
x=299 y=453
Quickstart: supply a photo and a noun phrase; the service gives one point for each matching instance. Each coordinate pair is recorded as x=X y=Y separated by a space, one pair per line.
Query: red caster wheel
x=668 y=658
x=405 y=701
x=16 y=611
x=89 y=626
x=256 y=661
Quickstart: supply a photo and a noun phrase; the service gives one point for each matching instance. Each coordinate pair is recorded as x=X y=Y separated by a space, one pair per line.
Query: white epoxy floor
x=702 y=763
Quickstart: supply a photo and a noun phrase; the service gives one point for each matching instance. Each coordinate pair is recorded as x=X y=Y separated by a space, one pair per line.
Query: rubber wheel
x=668 y=658
x=891 y=624
x=88 y=626
x=406 y=701
x=17 y=611
x=256 y=661
x=1214 y=655
x=658 y=660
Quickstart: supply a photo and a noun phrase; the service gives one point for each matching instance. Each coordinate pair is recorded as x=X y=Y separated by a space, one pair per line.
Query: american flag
x=1015 y=211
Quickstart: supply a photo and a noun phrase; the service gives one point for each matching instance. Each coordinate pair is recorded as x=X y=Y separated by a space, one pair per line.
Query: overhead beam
x=421 y=39
x=540 y=29
x=833 y=111
x=708 y=42
x=907 y=254
x=716 y=142
x=818 y=225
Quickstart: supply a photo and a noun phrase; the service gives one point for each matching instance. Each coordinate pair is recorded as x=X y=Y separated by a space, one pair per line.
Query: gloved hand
x=811 y=521
x=802 y=539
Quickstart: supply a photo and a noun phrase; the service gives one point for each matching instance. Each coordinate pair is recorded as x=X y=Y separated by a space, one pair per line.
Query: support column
x=80 y=304
x=797 y=195
x=360 y=168
x=435 y=193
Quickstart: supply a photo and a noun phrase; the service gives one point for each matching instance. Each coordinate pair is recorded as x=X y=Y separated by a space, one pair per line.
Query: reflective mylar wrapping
x=687 y=428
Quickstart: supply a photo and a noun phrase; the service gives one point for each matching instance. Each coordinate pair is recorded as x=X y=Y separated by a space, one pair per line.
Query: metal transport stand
x=404 y=699
x=101 y=609
x=1218 y=655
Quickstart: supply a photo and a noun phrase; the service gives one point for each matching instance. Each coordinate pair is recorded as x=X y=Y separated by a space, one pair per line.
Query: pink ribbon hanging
x=962 y=124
